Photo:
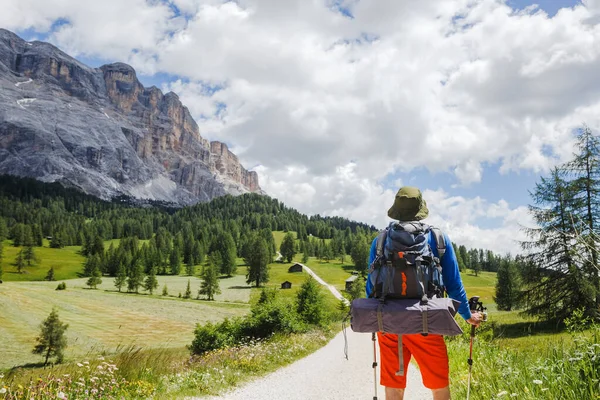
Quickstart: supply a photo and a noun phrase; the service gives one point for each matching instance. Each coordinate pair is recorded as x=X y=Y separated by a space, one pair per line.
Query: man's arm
x=453 y=281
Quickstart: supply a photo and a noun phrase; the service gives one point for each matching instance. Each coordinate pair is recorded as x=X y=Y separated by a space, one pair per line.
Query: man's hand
x=475 y=319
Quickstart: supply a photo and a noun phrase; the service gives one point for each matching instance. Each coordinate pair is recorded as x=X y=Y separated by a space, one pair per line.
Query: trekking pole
x=476 y=306
x=374 y=365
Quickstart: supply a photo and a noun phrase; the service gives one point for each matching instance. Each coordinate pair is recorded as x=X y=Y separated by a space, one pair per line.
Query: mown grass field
x=104 y=320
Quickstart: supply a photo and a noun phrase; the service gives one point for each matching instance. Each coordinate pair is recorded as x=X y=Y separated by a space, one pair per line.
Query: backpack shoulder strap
x=381 y=242
x=440 y=242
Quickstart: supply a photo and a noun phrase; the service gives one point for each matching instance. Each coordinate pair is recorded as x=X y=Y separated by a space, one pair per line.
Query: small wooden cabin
x=286 y=285
x=295 y=268
x=350 y=282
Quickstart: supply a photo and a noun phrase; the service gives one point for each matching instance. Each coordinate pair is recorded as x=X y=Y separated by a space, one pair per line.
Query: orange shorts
x=429 y=352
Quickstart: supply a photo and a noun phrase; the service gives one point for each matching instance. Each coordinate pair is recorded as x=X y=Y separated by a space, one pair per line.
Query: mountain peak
x=101 y=130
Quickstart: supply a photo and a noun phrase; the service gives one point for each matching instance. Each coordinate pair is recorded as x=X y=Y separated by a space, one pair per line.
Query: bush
x=216 y=336
x=61 y=286
x=267 y=318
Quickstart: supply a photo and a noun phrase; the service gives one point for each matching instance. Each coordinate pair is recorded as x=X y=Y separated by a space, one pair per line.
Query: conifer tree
x=288 y=248
x=554 y=282
x=189 y=267
x=50 y=275
x=165 y=290
x=29 y=256
x=360 y=254
x=257 y=258
x=507 y=285
x=135 y=277
x=188 y=291
x=20 y=261
x=210 y=282
x=309 y=302
x=151 y=282
x=95 y=278
x=121 y=276
x=583 y=172
x=175 y=262
x=52 y=341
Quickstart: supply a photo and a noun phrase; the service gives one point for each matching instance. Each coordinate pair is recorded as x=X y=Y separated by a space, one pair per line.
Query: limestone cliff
x=101 y=130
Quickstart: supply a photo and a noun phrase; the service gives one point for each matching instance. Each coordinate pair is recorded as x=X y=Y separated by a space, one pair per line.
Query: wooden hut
x=350 y=282
x=295 y=268
x=286 y=285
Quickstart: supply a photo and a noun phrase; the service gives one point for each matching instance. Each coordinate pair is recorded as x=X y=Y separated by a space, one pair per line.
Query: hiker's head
x=409 y=205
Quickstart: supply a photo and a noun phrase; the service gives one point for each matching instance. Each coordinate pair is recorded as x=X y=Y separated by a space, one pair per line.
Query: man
x=429 y=351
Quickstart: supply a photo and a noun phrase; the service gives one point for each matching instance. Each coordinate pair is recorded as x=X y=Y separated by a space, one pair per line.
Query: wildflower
x=99 y=367
x=513 y=395
x=79 y=364
x=537 y=382
x=61 y=395
x=101 y=358
x=502 y=393
x=2 y=390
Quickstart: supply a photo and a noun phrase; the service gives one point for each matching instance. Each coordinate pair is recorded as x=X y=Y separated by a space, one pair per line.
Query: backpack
x=405 y=266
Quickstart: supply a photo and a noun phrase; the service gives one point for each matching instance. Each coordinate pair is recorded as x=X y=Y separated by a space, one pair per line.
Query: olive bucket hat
x=409 y=205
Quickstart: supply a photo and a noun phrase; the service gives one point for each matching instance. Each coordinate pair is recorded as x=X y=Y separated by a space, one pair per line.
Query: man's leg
x=441 y=394
x=394 y=394
x=388 y=354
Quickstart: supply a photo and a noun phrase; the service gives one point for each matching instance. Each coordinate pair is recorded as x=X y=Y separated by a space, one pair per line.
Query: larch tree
x=257 y=258
x=52 y=341
x=288 y=247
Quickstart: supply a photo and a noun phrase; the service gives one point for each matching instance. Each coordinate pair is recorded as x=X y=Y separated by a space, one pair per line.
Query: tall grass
x=567 y=370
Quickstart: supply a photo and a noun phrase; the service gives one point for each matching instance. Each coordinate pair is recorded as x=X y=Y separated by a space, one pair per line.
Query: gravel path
x=326 y=374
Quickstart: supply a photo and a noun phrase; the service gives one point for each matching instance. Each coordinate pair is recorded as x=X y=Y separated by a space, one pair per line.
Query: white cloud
x=330 y=105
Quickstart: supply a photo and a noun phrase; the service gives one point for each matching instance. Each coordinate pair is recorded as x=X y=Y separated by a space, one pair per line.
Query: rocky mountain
x=101 y=130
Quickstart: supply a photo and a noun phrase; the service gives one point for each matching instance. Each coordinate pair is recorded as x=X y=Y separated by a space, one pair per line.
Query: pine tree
x=29 y=256
x=210 y=282
x=95 y=278
x=360 y=254
x=20 y=261
x=304 y=257
x=52 y=341
x=188 y=291
x=190 y=268
x=257 y=259
x=151 y=283
x=227 y=249
x=507 y=285
x=165 y=290
x=50 y=275
x=121 y=276
x=135 y=277
x=554 y=282
x=288 y=248
x=175 y=262
x=584 y=178
x=310 y=303
x=92 y=263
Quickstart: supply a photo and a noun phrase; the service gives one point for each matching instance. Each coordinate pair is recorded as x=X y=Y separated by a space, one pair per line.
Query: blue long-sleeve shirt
x=450 y=274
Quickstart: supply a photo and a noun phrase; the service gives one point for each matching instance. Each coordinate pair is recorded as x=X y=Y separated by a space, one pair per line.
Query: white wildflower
x=61 y=395
x=79 y=364
x=2 y=390
x=537 y=382
x=502 y=393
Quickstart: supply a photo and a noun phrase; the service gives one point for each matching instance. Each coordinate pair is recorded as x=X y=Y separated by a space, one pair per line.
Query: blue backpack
x=405 y=266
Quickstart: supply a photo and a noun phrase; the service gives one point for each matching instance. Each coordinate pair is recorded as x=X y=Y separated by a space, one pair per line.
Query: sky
x=338 y=103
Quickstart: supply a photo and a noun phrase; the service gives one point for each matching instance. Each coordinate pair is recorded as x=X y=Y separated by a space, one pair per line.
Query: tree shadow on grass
x=17 y=368
x=239 y=287
x=522 y=329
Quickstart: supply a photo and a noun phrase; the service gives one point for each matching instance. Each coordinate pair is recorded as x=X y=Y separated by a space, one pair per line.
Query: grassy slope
x=104 y=319
x=67 y=262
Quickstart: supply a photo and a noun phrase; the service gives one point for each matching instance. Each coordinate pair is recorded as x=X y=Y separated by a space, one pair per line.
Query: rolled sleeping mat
x=405 y=316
